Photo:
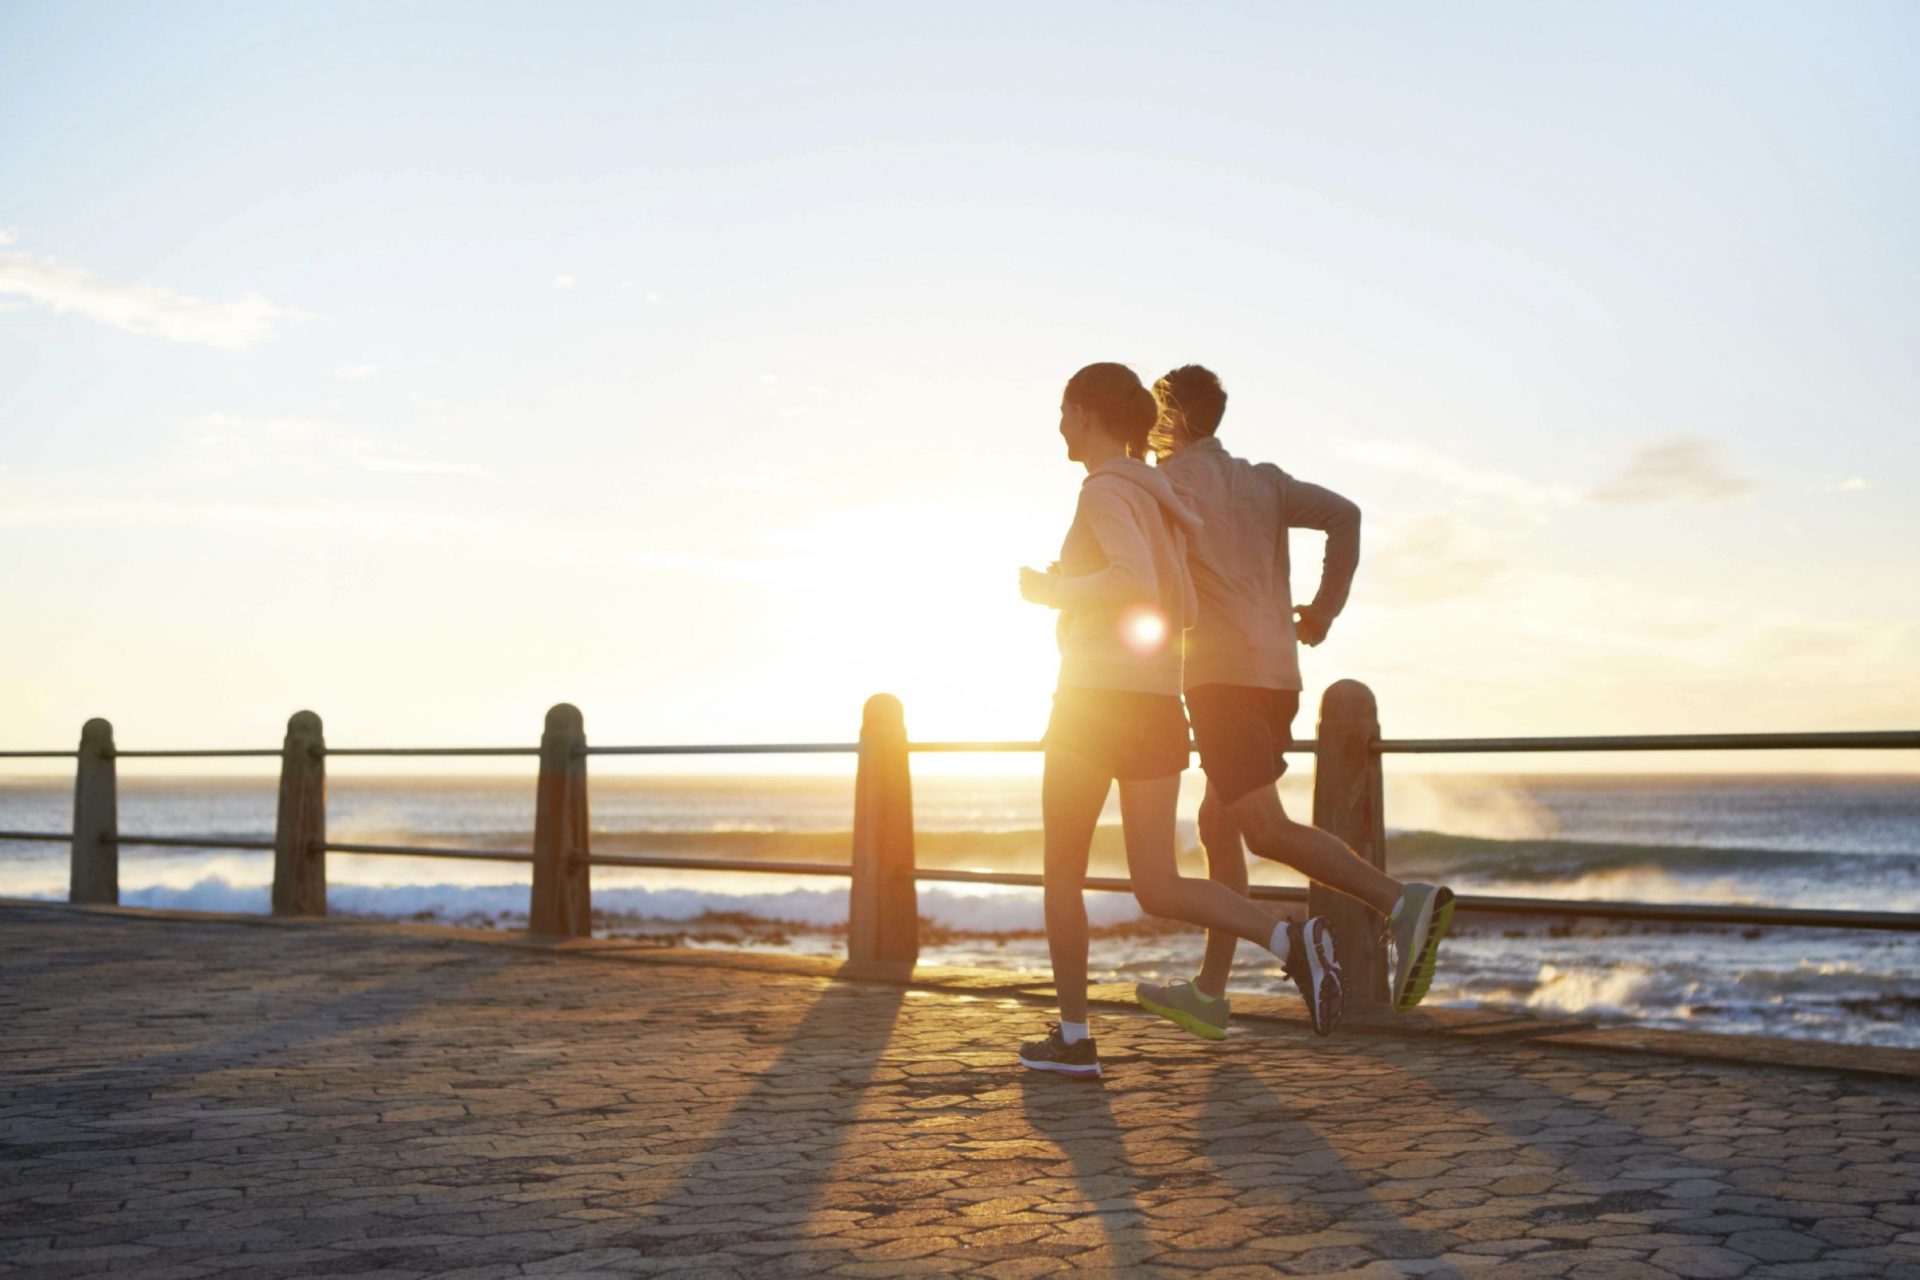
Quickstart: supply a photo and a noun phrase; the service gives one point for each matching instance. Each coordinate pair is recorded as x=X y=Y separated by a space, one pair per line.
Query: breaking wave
x=1792 y=842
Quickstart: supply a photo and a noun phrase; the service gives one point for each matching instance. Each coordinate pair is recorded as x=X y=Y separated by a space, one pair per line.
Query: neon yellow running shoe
x=1414 y=930
x=1183 y=1004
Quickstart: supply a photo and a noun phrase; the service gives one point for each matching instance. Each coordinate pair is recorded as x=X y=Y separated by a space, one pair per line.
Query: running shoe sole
x=1070 y=1070
x=1438 y=912
x=1181 y=1018
x=1328 y=1002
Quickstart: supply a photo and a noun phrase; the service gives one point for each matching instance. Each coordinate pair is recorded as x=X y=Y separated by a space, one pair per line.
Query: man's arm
x=1308 y=506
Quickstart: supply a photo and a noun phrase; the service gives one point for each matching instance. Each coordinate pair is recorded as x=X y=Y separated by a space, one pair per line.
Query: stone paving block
x=1617 y=1269
x=1776 y=1246
x=1708 y=1262
x=356 y=1100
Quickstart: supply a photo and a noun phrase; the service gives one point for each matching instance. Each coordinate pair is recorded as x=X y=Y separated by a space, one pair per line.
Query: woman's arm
x=1129 y=575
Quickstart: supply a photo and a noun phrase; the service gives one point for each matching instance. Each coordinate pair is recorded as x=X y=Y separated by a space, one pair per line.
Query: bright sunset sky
x=428 y=364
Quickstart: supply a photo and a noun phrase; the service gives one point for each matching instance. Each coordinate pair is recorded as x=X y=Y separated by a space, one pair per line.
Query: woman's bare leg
x=1146 y=815
x=1073 y=790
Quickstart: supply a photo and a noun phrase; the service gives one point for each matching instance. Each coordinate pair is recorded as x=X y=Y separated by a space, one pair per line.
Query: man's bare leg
x=1320 y=856
x=1226 y=864
x=1418 y=914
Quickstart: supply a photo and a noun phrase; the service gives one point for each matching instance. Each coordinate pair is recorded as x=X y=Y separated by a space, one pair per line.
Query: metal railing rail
x=190 y=842
x=1493 y=904
x=429 y=851
x=732 y=749
x=201 y=753
x=1873 y=740
x=428 y=751
x=1671 y=913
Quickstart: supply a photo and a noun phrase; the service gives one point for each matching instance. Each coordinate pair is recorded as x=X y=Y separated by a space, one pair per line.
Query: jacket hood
x=1135 y=472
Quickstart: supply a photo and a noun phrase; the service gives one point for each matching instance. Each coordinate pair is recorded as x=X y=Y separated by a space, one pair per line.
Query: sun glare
x=1144 y=629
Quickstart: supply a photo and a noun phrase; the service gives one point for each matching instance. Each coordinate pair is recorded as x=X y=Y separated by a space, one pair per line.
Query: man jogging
x=1242 y=685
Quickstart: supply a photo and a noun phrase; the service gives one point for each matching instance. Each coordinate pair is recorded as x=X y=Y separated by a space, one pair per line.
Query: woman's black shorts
x=1243 y=734
x=1133 y=736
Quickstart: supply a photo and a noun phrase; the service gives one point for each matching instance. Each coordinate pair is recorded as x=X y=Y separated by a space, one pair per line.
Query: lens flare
x=1143 y=629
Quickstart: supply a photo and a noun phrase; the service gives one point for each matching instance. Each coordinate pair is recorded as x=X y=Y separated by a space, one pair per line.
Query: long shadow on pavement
x=1671 y=1165
x=1077 y=1117
x=759 y=1185
x=1270 y=1151
x=61 y=1104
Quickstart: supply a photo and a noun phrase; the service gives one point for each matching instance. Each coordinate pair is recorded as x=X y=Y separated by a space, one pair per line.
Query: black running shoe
x=1054 y=1054
x=1315 y=969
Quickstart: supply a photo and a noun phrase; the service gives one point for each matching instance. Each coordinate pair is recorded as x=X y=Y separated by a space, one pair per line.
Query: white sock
x=1278 y=942
x=1073 y=1032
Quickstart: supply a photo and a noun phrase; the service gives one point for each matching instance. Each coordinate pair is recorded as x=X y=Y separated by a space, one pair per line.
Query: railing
x=882 y=909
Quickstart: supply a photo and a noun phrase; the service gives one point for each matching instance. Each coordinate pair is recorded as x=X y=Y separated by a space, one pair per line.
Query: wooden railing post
x=300 y=830
x=883 y=911
x=1349 y=801
x=95 y=869
x=562 y=881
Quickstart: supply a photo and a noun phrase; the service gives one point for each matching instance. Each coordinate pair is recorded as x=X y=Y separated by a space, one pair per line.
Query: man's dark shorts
x=1133 y=736
x=1243 y=734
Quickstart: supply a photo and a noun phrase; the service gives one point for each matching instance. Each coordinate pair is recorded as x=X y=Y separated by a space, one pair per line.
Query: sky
x=426 y=365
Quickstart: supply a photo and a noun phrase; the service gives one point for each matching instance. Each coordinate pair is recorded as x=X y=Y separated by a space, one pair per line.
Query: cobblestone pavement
x=194 y=1099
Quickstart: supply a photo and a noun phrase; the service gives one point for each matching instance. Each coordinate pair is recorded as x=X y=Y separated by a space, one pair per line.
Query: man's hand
x=1310 y=625
x=1036 y=586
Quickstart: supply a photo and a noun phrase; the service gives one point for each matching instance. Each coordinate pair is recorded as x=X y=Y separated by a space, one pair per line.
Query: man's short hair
x=1196 y=393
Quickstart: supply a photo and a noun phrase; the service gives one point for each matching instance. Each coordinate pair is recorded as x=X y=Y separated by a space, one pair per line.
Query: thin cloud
x=418 y=466
x=231 y=444
x=142 y=309
x=1450 y=474
x=1685 y=470
x=1435 y=558
x=564 y=282
x=663 y=560
x=151 y=513
x=356 y=372
x=1852 y=484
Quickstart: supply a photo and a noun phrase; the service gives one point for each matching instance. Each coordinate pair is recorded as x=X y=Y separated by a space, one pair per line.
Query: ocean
x=1801 y=841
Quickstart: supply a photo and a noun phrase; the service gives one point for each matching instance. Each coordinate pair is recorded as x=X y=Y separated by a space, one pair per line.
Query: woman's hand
x=1036 y=586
